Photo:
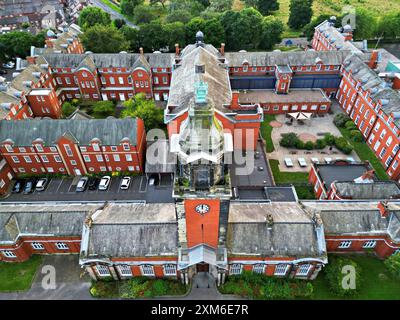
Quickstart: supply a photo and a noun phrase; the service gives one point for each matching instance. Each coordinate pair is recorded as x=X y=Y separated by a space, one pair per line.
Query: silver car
x=82 y=183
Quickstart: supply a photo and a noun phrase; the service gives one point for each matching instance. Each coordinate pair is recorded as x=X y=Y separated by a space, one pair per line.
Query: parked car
x=288 y=162
x=93 y=183
x=18 y=186
x=42 y=184
x=151 y=182
x=104 y=183
x=82 y=184
x=29 y=187
x=9 y=65
x=125 y=183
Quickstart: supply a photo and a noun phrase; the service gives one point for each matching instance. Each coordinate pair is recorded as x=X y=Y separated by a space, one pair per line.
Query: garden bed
x=138 y=287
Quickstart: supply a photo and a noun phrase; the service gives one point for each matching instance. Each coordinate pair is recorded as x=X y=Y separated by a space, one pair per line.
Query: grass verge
x=112 y=5
x=18 y=276
x=266 y=130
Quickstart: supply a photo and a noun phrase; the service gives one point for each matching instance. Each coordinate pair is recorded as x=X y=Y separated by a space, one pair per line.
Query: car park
x=93 y=183
x=82 y=184
x=29 y=187
x=18 y=186
x=41 y=184
x=125 y=183
x=104 y=183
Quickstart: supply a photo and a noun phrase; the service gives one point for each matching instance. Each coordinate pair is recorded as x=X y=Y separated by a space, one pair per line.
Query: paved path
x=69 y=284
x=114 y=14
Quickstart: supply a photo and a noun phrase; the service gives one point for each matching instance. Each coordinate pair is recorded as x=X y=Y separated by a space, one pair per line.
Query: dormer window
x=84 y=74
x=140 y=74
x=9 y=148
x=39 y=147
x=245 y=68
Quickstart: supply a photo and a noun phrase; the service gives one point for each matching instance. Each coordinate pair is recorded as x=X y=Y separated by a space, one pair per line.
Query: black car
x=30 y=186
x=93 y=183
x=18 y=186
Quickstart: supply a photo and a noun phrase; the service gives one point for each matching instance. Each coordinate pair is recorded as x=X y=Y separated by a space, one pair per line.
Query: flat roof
x=294 y=96
x=40 y=92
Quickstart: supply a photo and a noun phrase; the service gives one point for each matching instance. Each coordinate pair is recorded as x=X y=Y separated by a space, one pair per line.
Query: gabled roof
x=110 y=131
x=376 y=190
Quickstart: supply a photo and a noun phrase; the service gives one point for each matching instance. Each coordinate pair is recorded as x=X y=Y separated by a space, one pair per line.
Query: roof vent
x=384 y=102
x=27 y=83
x=200 y=68
x=36 y=74
x=17 y=94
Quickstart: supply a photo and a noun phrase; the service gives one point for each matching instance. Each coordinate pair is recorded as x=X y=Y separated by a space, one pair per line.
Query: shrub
x=356 y=135
x=103 y=109
x=350 y=125
x=342 y=144
x=309 y=145
x=341 y=119
x=393 y=265
x=300 y=144
x=160 y=287
x=320 y=144
x=335 y=274
x=329 y=139
x=67 y=109
x=289 y=140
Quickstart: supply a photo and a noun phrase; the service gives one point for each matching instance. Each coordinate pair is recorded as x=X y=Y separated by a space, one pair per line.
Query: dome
x=50 y=34
x=347 y=28
x=199 y=36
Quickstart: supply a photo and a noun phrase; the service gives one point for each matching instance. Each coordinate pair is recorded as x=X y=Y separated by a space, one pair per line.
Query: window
x=377 y=144
x=15 y=159
x=27 y=159
x=281 y=269
x=125 y=270
x=99 y=158
x=61 y=246
x=8 y=148
x=155 y=80
x=112 y=80
x=68 y=150
x=114 y=148
x=303 y=270
x=102 y=270
x=383 y=133
x=235 y=268
x=389 y=141
x=170 y=269
x=57 y=159
x=53 y=149
x=344 y=245
x=45 y=159
x=86 y=158
x=378 y=125
x=395 y=163
x=369 y=244
x=2 y=183
x=22 y=170
x=383 y=152
x=116 y=158
x=96 y=147
x=147 y=270
x=73 y=162
x=258 y=268
x=21 y=149
x=39 y=147
x=8 y=254
x=37 y=245
x=126 y=146
x=395 y=149
x=121 y=80
x=128 y=157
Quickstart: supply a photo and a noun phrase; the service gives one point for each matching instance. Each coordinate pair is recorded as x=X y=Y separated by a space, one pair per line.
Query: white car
x=315 y=160
x=328 y=160
x=125 y=183
x=81 y=186
x=288 y=162
x=151 y=182
x=104 y=183
x=41 y=184
x=351 y=159
x=302 y=162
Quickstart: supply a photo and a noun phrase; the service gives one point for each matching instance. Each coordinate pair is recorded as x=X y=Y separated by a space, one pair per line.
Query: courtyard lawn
x=365 y=153
x=376 y=282
x=266 y=130
x=18 y=276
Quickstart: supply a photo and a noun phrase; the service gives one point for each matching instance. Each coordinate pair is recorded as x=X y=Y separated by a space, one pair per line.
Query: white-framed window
x=8 y=254
x=116 y=158
x=2 y=183
x=114 y=148
x=86 y=158
x=235 y=268
x=57 y=159
x=170 y=269
x=126 y=146
x=73 y=162
x=96 y=147
x=44 y=158
x=15 y=159
x=303 y=270
x=61 y=246
x=147 y=270
x=37 y=245
x=344 y=245
x=68 y=150
x=125 y=270
x=102 y=270
x=22 y=149
x=259 y=268
x=99 y=158
x=27 y=159
x=128 y=157
x=9 y=148
x=389 y=141
x=281 y=269
x=369 y=244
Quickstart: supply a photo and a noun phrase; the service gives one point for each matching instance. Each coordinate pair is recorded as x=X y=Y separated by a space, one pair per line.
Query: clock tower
x=202 y=184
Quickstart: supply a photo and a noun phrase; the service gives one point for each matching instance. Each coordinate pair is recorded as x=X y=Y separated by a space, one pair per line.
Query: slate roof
x=376 y=190
x=58 y=220
x=354 y=218
x=235 y=59
x=26 y=6
x=110 y=131
x=293 y=233
x=133 y=230
x=182 y=91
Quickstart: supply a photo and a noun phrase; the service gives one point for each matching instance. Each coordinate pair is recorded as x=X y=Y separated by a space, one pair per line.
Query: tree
x=180 y=15
x=272 y=29
x=214 y=32
x=144 y=14
x=104 y=39
x=67 y=109
x=220 y=5
x=300 y=13
x=393 y=265
x=128 y=6
x=103 y=109
x=90 y=16
x=309 y=29
x=264 y=6
x=132 y=36
x=194 y=25
x=195 y=7
x=119 y=23
x=174 y=33
x=389 y=26
x=151 y=36
x=366 y=24
x=145 y=109
x=162 y=2
x=18 y=44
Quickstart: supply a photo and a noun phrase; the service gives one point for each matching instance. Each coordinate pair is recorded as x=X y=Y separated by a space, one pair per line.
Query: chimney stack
x=373 y=61
x=235 y=100
x=222 y=50
x=383 y=209
x=177 y=50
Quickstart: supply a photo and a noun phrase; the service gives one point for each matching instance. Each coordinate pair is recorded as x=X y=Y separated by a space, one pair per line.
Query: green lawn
x=287 y=177
x=376 y=282
x=266 y=131
x=365 y=153
x=112 y=5
x=18 y=276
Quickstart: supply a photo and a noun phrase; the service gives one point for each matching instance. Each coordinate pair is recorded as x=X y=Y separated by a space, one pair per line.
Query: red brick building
x=74 y=147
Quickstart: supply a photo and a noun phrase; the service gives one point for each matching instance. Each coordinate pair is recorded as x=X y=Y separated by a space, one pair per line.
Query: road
x=114 y=14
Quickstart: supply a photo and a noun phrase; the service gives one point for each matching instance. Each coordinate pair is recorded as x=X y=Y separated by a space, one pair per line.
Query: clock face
x=202 y=208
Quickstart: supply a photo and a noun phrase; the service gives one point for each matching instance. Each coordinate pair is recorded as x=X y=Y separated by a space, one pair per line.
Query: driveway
x=114 y=14
x=69 y=285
